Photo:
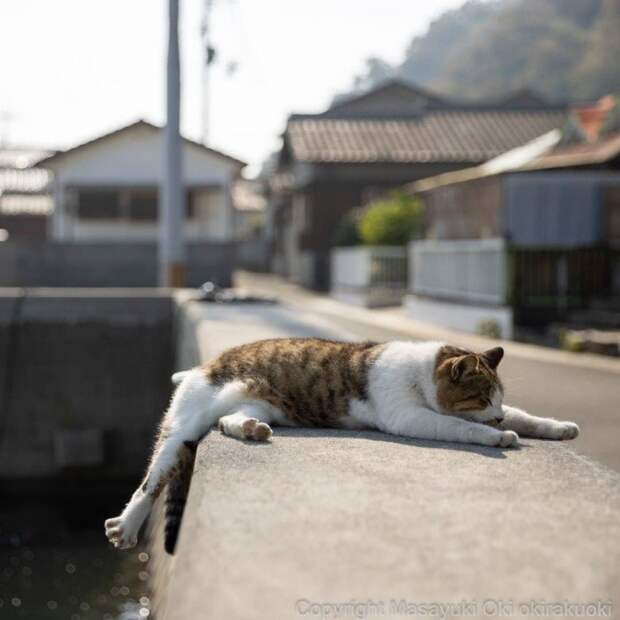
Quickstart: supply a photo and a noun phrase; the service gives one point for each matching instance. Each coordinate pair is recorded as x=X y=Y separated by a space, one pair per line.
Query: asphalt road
x=541 y=381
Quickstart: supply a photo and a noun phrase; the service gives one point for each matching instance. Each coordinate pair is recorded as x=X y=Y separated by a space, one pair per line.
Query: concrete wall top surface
x=324 y=516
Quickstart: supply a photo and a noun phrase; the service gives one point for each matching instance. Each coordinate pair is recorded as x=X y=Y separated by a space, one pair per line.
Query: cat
x=426 y=390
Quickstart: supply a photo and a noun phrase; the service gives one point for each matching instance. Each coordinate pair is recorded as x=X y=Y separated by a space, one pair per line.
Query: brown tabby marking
x=185 y=460
x=466 y=381
x=309 y=379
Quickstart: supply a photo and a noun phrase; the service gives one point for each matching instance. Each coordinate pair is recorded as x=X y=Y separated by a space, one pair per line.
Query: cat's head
x=468 y=385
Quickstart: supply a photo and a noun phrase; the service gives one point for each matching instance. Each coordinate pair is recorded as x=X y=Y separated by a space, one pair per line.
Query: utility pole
x=208 y=58
x=172 y=203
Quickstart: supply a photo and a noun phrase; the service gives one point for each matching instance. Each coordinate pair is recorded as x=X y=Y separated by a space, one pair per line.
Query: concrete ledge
x=329 y=516
x=325 y=516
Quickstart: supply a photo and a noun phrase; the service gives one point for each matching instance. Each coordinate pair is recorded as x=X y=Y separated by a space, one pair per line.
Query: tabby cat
x=423 y=390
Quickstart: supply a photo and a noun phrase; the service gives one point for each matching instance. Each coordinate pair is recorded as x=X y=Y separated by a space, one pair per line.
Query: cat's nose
x=499 y=418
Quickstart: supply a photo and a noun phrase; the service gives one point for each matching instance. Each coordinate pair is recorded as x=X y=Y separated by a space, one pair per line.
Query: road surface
x=582 y=388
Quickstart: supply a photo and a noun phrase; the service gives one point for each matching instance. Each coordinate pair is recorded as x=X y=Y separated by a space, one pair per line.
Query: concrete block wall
x=80 y=360
x=107 y=264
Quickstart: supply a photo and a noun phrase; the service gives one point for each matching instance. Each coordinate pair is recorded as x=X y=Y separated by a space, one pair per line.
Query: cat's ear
x=463 y=365
x=493 y=357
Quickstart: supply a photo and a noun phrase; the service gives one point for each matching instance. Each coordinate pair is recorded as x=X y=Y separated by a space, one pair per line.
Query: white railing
x=369 y=275
x=462 y=270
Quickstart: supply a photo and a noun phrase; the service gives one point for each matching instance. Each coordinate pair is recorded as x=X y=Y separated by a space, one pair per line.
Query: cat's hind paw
x=258 y=431
x=509 y=439
x=119 y=535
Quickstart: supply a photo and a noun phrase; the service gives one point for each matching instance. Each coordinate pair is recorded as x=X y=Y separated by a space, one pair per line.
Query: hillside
x=564 y=49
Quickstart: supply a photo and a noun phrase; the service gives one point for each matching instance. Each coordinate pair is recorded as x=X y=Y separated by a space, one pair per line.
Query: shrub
x=394 y=220
x=489 y=328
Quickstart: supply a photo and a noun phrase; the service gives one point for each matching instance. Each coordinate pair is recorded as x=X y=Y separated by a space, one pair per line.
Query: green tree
x=394 y=220
x=598 y=73
x=563 y=49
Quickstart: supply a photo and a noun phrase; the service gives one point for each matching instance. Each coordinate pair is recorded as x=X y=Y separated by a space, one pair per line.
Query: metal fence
x=548 y=284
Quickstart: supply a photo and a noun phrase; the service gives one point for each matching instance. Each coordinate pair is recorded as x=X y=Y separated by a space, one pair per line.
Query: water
x=55 y=561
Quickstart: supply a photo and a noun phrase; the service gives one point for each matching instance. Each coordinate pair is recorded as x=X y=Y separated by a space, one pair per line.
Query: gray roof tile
x=444 y=135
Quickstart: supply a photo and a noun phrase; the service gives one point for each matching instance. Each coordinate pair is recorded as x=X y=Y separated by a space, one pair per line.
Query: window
x=142 y=205
x=98 y=204
x=124 y=205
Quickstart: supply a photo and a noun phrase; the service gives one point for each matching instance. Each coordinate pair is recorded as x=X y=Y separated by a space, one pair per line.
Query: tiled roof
x=126 y=128
x=468 y=134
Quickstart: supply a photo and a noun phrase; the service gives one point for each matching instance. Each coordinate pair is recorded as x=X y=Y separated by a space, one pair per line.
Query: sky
x=71 y=70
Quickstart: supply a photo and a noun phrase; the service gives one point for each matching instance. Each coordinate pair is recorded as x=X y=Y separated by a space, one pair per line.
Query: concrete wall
x=104 y=264
x=467 y=317
x=82 y=361
x=370 y=276
x=463 y=270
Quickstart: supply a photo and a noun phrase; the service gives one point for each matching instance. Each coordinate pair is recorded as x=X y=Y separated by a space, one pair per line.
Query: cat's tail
x=176 y=497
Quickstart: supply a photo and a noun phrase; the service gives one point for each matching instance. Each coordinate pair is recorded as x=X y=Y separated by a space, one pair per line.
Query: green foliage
x=489 y=328
x=563 y=49
x=392 y=221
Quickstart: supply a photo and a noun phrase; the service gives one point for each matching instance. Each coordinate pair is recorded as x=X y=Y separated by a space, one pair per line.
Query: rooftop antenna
x=172 y=212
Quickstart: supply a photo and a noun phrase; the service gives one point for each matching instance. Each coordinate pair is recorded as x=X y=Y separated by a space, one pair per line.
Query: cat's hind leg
x=191 y=413
x=250 y=421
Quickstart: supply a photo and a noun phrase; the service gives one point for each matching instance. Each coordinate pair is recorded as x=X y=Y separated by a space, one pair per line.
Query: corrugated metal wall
x=556 y=209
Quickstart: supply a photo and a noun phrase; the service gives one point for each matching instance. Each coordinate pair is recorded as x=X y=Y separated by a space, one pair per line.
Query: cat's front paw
x=119 y=534
x=508 y=439
x=568 y=430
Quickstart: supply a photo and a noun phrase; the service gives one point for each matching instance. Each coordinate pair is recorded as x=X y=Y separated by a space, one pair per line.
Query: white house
x=106 y=190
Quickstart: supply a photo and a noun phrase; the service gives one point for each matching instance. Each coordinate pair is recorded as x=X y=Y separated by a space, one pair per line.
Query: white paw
x=509 y=439
x=119 y=534
x=568 y=430
x=259 y=431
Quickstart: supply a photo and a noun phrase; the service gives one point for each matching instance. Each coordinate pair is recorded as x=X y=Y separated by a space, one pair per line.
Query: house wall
x=467 y=210
x=210 y=221
x=331 y=191
x=24 y=225
x=133 y=159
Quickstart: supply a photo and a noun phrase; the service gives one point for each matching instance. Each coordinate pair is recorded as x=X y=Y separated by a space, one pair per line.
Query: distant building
x=106 y=190
x=357 y=149
x=529 y=237
x=249 y=205
x=25 y=202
